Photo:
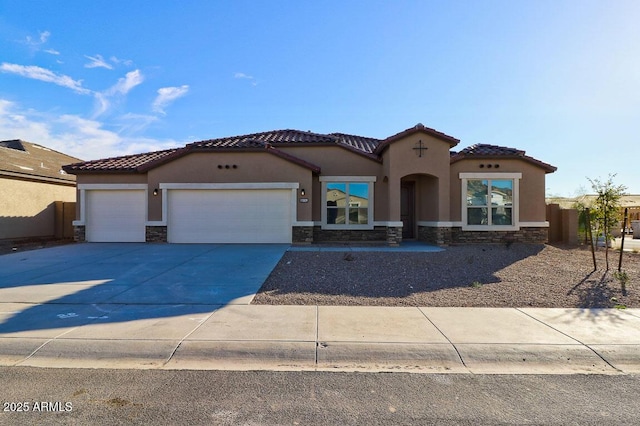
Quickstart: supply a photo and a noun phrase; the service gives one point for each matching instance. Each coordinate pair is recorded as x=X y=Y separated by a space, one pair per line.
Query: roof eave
x=268 y=149
x=419 y=128
x=548 y=168
x=99 y=171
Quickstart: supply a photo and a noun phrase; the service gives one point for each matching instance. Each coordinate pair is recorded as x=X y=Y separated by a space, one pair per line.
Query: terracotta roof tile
x=417 y=128
x=272 y=137
x=361 y=143
x=269 y=141
x=494 y=151
x=126 y=163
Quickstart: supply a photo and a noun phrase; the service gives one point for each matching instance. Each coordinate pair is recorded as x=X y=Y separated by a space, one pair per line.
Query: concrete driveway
x=44 y=292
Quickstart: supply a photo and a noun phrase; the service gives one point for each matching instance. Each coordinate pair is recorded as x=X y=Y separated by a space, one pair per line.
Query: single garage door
x=229 y=216
x=115 y=216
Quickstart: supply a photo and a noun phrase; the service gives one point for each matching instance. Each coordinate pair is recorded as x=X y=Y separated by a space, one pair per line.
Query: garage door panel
x=115 y=216
x=229 y=216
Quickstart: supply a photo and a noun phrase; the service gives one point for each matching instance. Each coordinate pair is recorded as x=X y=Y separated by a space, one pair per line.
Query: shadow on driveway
x=99 y=283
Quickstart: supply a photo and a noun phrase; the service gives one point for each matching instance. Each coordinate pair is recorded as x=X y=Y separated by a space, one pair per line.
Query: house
x=629 y=203
x=31 y=182
x=289 y=186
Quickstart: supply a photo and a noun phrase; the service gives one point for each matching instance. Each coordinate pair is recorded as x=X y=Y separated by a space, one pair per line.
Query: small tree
x=606 y=208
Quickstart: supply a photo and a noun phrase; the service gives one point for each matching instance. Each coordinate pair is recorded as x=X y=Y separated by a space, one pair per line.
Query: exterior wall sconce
x=302 y=192
x=155 y=192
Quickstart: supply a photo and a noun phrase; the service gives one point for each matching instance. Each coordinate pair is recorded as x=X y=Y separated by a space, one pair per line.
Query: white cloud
x=102 y=104
x=166 y=95
x=97 y=62
x=42 y=74
x=72 y=134
x=115 y=60
x=121 y=88
x=44 y=36
x=133 y=123
x=124 y=85
x=52 y=51
x=242 y=75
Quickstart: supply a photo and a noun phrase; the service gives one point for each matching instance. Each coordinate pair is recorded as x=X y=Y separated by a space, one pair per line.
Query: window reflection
x=347 y=203
x=499 y=198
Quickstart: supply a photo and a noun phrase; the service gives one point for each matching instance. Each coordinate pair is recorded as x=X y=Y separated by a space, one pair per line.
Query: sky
x=559 y=79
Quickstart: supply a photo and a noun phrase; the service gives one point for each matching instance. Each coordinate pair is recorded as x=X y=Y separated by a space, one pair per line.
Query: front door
x=407 y=209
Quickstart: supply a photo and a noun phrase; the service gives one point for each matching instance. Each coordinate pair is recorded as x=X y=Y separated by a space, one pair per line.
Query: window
x=347 y=202
x=490 y=200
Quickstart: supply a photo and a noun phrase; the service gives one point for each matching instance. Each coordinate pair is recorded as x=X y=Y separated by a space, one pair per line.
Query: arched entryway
x=419 y=202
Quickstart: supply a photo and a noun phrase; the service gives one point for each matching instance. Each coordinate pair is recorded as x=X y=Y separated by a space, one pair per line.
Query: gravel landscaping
x=518 y=275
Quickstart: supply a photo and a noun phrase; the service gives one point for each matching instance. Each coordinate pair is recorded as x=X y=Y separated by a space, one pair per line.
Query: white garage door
x=229 y=216
x=115 y=216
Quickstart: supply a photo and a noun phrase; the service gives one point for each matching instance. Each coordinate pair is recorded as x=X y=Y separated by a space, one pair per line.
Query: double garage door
x=194 y=215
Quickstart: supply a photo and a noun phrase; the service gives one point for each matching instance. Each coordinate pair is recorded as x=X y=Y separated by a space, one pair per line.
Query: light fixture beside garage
x=302 y=192
x=155 y=191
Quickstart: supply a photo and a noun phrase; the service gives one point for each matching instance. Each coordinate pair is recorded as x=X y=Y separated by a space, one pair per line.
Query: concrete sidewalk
x=334 y=338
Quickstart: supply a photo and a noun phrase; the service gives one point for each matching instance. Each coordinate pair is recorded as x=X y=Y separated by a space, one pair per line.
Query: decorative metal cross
x=419 y=148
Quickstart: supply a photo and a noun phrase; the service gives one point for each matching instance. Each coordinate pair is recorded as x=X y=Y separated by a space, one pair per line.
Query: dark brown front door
x=407 y=209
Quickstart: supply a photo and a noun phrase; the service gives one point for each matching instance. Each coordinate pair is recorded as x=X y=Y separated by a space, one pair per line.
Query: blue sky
x=559 y=79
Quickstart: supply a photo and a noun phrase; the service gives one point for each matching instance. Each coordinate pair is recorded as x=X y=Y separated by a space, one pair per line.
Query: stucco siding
x=532 y=185
x=402 y=159
x=27 y=208
x=252 y=167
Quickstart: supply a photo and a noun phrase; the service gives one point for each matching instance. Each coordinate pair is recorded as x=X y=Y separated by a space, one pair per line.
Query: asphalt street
x=84 y=396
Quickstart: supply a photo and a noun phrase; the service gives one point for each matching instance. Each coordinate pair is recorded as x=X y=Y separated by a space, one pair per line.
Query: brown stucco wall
x=253 y=167
x=401 y=159
x=27 y=208
x=336 y=161
x=532 y=185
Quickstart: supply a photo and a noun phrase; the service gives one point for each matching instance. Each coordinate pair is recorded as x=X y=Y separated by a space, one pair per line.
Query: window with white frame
x=490 y=200
x=347 y=202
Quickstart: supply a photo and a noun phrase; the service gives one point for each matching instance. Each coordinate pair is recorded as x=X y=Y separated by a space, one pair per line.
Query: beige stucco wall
x=252 y=167
x=27 y=207
x=336 y=161
x=532 y=185
x=401 y=159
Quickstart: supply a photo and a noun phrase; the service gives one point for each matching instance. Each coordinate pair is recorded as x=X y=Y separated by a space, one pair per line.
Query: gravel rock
x=516 y=275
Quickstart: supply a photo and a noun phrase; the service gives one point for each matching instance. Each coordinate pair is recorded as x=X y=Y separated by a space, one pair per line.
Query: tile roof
x=140 y=163
x=417 y=128
x=494 y=151
x=28 y=160
x=125 y=163
x=273 y=137
x=361 y=143
x=270 y=141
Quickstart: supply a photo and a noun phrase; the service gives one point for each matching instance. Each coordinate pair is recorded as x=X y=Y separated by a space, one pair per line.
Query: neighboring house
x=288 y=186
x=31 y=180
x=629 y=202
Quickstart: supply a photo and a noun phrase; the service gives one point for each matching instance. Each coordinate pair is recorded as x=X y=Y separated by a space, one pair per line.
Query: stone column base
x=455 y=235
x=302 y=234
x=156 y=234
x=394 y=235
x=79 y=234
